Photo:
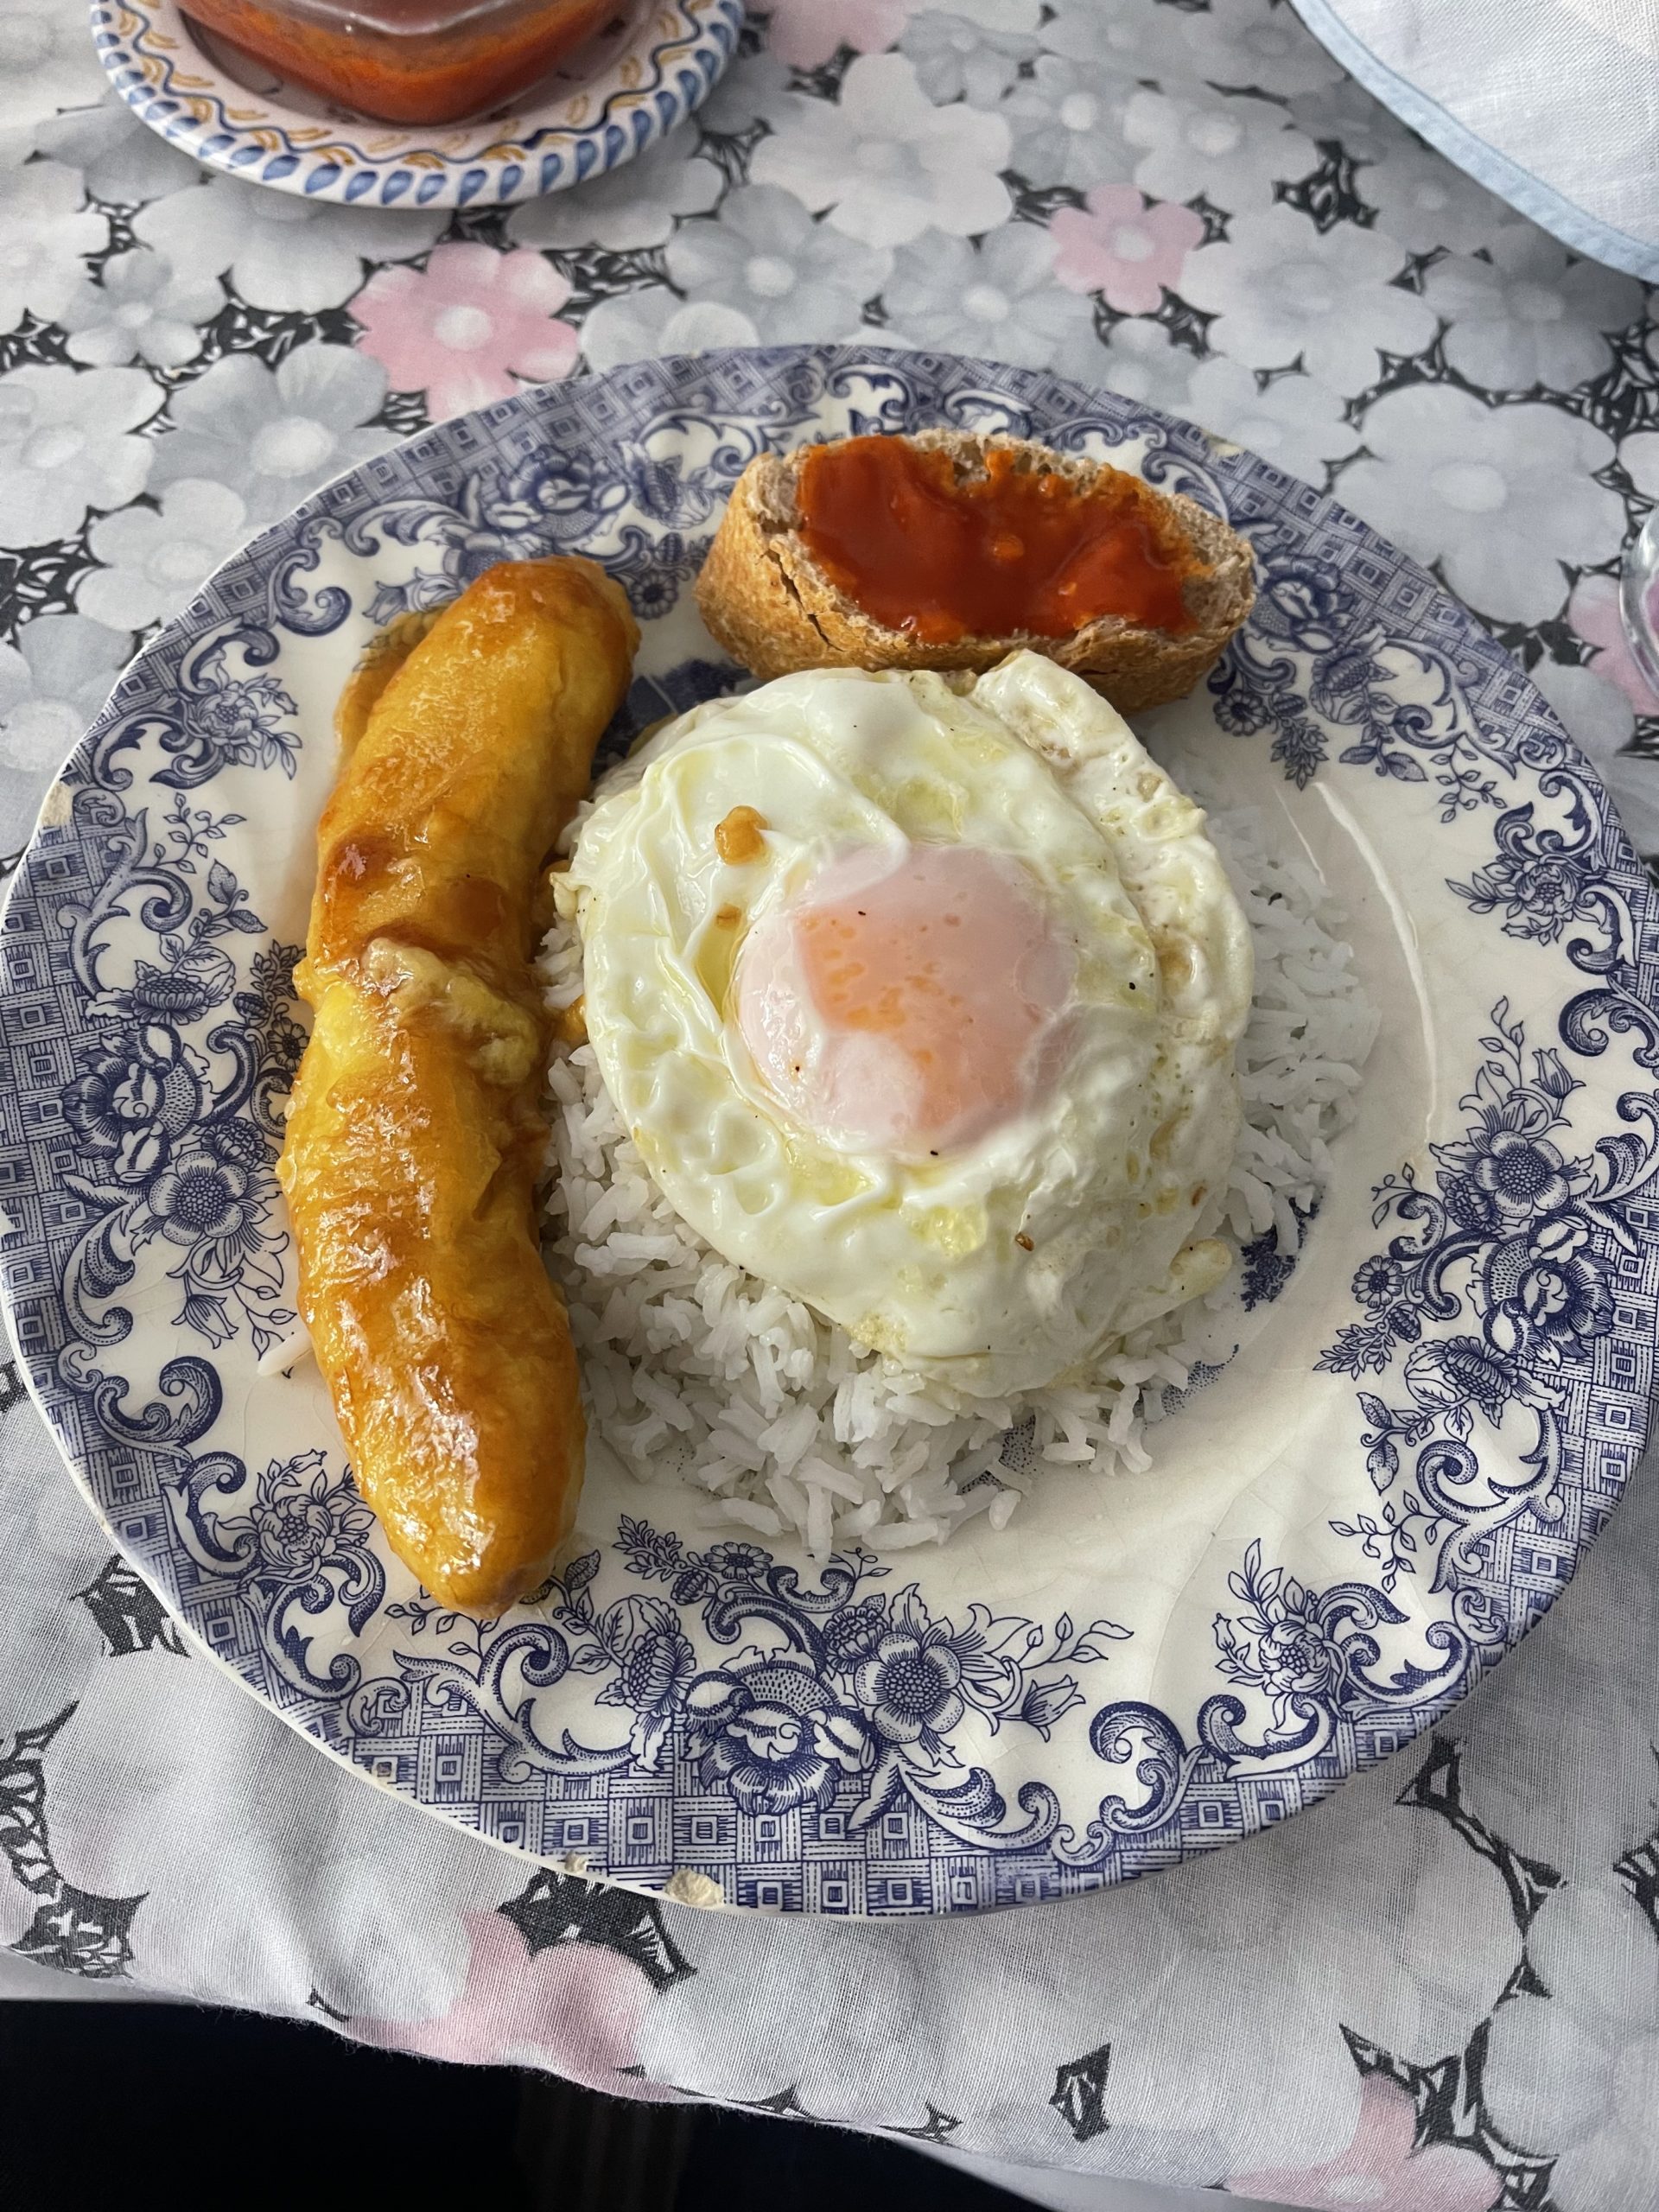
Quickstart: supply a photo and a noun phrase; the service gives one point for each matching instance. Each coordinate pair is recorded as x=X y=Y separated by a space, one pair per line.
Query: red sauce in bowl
x=409 y=61
x=1019 y=550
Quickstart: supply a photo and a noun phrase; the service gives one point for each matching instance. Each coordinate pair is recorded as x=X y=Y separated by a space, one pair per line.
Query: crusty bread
x=766 y=600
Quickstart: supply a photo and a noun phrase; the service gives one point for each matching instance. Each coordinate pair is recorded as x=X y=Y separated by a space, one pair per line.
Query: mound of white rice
x=697 y=1371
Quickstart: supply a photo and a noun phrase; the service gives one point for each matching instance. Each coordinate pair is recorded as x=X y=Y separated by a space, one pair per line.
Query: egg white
x=1007 y=1263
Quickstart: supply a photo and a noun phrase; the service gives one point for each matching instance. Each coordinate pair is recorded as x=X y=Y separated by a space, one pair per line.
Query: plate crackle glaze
x=1430 y=1415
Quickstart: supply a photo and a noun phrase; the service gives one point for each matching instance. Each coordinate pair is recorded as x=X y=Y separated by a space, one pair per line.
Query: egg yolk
x=910 y=1005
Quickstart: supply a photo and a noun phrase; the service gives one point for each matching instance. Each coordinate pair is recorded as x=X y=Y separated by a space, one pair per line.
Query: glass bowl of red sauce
x=422 y=61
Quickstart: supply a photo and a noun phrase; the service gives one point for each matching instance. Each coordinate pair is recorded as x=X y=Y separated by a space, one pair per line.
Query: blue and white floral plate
x=607 y=104
x=1431 y=1417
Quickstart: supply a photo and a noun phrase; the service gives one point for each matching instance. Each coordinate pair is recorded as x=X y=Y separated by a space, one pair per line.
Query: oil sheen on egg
x=919 y=997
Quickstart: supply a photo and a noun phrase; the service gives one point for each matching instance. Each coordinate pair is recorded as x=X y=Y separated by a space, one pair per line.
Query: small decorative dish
x=626 y=88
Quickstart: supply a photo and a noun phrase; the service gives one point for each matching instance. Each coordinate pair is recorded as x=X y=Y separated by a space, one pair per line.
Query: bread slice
x=768 y=602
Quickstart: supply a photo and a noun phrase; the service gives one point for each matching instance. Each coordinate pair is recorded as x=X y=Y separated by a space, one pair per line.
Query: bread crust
x=766 y=602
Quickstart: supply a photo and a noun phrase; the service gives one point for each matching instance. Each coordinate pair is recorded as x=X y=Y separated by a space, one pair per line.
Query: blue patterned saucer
x=1434 y=1412
x=608 y=103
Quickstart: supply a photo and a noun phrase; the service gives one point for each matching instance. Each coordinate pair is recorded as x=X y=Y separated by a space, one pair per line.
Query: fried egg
x=918 y=996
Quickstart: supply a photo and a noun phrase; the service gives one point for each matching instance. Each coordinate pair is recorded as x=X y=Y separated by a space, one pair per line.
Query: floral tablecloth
x=1439 y=1992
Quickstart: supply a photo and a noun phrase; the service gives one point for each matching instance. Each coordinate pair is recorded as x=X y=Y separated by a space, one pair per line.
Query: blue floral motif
x=501 y=511
x=1530 y=1233
x=654 y=572
x=217 y=721
x=771 y=1734
x=1264 y=1269
x=231 y=723
x=656 y=1666
x=301 y=1547
x=1310 y=1656
x=137 y=1098
x=173 y=1137
x=547 y=506
x=840 y=1683
x=870 y=1685
x=1540 y=894
x=1311 y=1664
x=1284 y=1644
x=1314 y=643
x=1547 y=876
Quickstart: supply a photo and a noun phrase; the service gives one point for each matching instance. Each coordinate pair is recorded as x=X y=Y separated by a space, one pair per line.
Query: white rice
x=695 y=1371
